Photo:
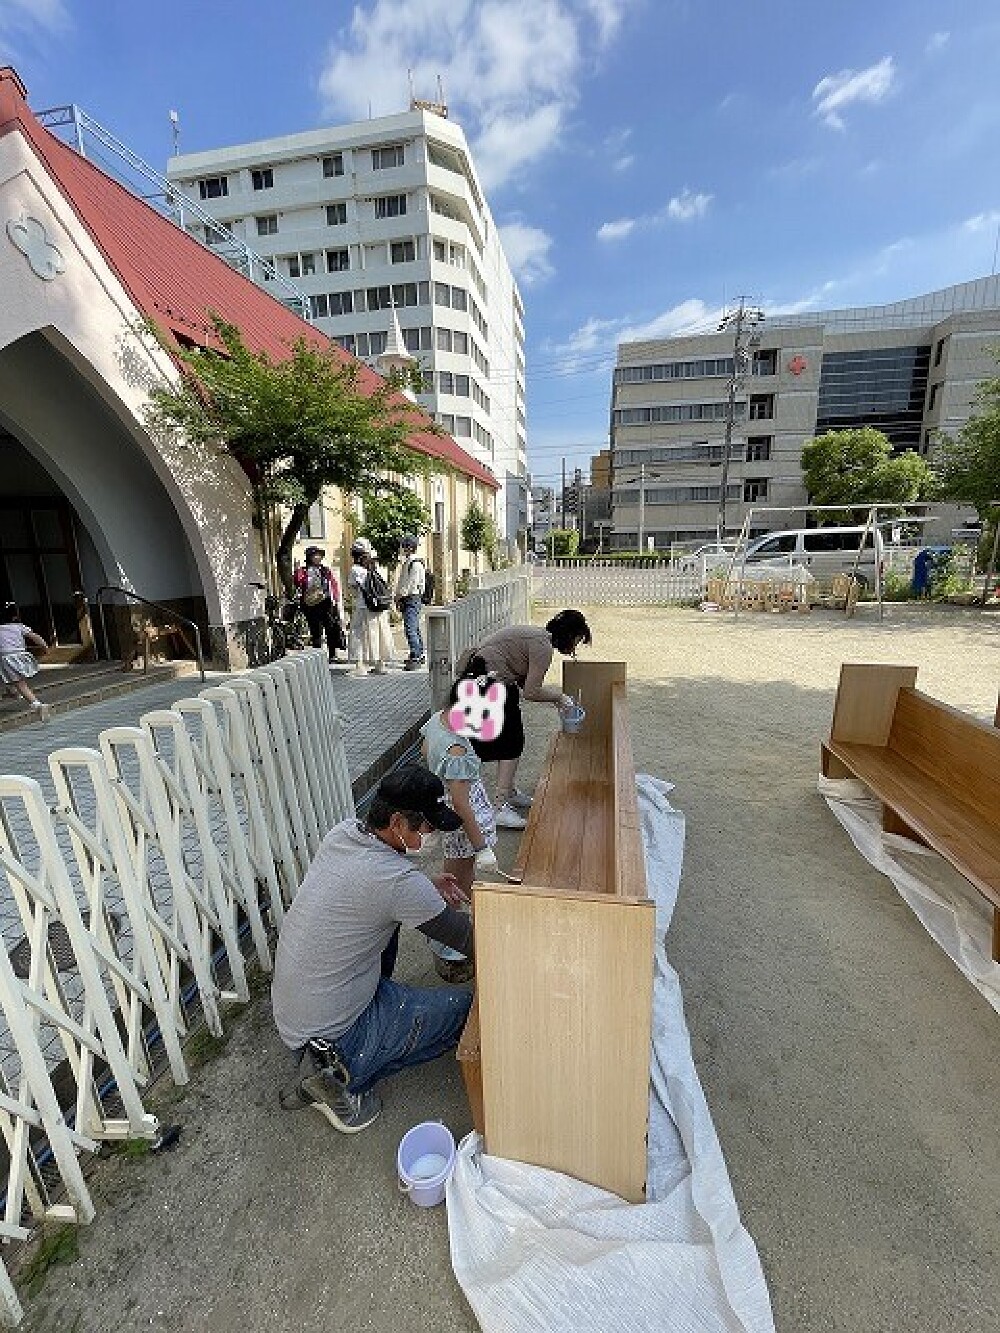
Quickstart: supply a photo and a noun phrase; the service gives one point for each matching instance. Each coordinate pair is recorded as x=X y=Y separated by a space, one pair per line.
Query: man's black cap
x=417 y=790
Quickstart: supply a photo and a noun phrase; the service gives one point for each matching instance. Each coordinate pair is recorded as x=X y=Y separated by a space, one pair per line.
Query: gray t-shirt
x=328 y=963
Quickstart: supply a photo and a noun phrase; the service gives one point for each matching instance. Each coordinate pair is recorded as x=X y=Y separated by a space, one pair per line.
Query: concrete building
x=89 y=494
x=390 y=213
x=910 y=369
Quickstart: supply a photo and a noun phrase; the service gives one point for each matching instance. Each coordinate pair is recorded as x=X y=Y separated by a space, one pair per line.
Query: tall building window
x=461 y=386
x=459 y=299
x=336 y=214
x=461 y=343
x=444 y=340
x=333 y=165
x=761 y=406
x=319 y=305
x=308 y=265
x=267 y=225
x=338 y=261
x=383 y=158
x=294 y=271
x=758 y=448
x=214 y=187
x=390 y=206
x=463 y=427
x=932 y=401
x=765 y=363
x=755 y=488
x=440 y=251
x=446 y=382
x=262 y=179
x=341 y=303
x=402 y=252
x=442 y=294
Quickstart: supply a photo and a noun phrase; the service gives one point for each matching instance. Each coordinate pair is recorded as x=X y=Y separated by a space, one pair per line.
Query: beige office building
x=910 y=369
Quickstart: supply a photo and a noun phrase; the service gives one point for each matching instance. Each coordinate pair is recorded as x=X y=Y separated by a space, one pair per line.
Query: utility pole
x=562 y=496
x=743 y=321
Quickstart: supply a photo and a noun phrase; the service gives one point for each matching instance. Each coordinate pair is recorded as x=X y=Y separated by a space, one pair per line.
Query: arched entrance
x=80 y=505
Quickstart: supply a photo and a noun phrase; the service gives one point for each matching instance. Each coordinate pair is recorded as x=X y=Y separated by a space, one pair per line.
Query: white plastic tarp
x=538 y=1252
x=950 y=910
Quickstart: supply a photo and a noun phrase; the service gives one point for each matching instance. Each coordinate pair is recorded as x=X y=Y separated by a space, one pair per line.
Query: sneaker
x=348 y=1112
x=377 y=671
x=520 y=800
x=507 y=817
x=414 y=663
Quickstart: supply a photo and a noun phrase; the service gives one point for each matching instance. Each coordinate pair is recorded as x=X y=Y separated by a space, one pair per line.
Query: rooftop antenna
x=409 y=76
x=175 y=130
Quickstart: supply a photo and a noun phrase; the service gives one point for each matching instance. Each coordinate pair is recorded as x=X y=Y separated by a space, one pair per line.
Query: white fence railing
x=463 y=624
x=588 y=584
x=130 y=893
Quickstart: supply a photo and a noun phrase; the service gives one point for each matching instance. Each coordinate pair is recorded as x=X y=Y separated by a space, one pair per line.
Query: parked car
x=711 y=553
x=823 y=551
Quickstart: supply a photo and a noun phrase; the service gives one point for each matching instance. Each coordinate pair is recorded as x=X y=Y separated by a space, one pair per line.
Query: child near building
x=16 y=663
x=450 y=756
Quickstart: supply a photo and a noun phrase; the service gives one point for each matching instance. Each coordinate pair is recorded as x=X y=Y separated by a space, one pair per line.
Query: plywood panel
x=866 y=700
x=565 y=998
x=470 y=1063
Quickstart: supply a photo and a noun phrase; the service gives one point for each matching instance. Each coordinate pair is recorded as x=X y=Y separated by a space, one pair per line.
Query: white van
x=823 y=551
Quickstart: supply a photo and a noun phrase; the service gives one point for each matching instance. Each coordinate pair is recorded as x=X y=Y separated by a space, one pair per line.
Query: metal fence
x=585 y=583
x=453 y=629
x=131 y=894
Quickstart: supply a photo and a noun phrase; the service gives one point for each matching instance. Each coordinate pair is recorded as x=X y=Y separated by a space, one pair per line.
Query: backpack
x=375 y=592
x=427 y=596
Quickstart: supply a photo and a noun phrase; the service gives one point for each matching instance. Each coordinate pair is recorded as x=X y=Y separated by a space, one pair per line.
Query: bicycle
x=286 y=625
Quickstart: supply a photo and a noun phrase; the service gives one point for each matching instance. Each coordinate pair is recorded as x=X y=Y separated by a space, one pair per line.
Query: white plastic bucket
x=572 y=719
x=424 y=1161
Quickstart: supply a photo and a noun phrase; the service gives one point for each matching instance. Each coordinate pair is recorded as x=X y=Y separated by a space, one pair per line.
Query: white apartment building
x=910 y=369
x=389 y=214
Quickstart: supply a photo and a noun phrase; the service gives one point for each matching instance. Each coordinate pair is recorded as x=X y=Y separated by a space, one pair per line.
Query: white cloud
x=32 y=20
x=684 y=207
x=511 y=69
x=690 y=316
x=527 y=250
x=936 y=42
x=615 y=231
x=624 y=162
x=835 y=93
x=982 y=222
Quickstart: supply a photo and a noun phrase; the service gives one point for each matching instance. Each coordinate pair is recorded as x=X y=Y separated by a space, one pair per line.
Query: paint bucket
x=572 y=719
x=424 y=1161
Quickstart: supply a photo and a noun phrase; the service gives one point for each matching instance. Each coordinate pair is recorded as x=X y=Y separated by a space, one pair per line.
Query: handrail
x=167 y=611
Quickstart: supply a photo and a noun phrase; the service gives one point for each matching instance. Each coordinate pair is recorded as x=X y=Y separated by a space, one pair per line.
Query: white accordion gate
x=164 y=846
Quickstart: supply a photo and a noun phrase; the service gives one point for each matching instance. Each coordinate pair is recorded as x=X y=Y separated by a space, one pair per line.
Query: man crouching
x=332 y=991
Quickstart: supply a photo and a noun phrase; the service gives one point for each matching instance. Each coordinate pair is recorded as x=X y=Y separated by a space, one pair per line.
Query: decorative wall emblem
x=32 y=240
x=798 y=364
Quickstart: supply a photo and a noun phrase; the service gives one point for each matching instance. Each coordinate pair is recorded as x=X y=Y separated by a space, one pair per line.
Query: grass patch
x=131 y=1148
x=57 y=1245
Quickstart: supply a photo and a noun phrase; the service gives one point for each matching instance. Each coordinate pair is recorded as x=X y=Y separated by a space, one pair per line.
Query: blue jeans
x=411 y=625
x=402 y=1026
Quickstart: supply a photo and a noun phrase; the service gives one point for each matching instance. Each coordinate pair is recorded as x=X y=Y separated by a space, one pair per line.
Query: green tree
x=479 y=533
x=298 y=425
x=858 y=467
x=564 y=542
x=390 y=516
x=969 y=463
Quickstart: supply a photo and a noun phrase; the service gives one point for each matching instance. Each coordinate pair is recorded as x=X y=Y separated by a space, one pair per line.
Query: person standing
x=319 y=590
x=371 y=638
x=332 y=992
x=519 y=656
x=410 y=584
x=16 y=663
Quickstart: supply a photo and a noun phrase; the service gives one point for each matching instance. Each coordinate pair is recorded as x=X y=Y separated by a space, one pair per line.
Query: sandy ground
x=851 y=1072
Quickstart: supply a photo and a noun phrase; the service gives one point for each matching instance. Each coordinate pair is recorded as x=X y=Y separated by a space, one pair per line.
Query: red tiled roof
x=175 y=280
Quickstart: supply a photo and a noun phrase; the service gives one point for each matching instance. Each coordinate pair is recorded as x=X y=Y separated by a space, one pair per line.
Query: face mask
x=427 y=841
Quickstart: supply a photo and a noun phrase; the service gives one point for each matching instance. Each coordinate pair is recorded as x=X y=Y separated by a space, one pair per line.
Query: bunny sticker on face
x=478 y=710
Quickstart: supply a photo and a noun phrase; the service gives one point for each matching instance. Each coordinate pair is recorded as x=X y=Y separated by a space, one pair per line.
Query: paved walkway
x=379 y=711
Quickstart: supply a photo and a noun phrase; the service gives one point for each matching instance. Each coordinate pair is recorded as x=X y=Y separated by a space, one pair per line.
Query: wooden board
x=565 y=1006
x=866 y=701
x=470 y=1063
x=942 y=818
x=956 y=750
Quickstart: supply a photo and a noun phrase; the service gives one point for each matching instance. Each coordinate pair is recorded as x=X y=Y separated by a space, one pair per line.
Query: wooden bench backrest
x=959 y=751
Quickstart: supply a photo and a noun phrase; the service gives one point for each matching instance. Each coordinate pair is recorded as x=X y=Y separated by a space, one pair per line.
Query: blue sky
x=647 y=159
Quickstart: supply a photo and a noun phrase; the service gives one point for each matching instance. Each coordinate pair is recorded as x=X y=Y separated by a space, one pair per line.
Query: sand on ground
x=851 y=1071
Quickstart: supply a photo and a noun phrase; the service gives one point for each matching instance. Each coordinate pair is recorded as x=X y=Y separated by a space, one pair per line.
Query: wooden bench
x=935 y=770
x=555 y=1055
